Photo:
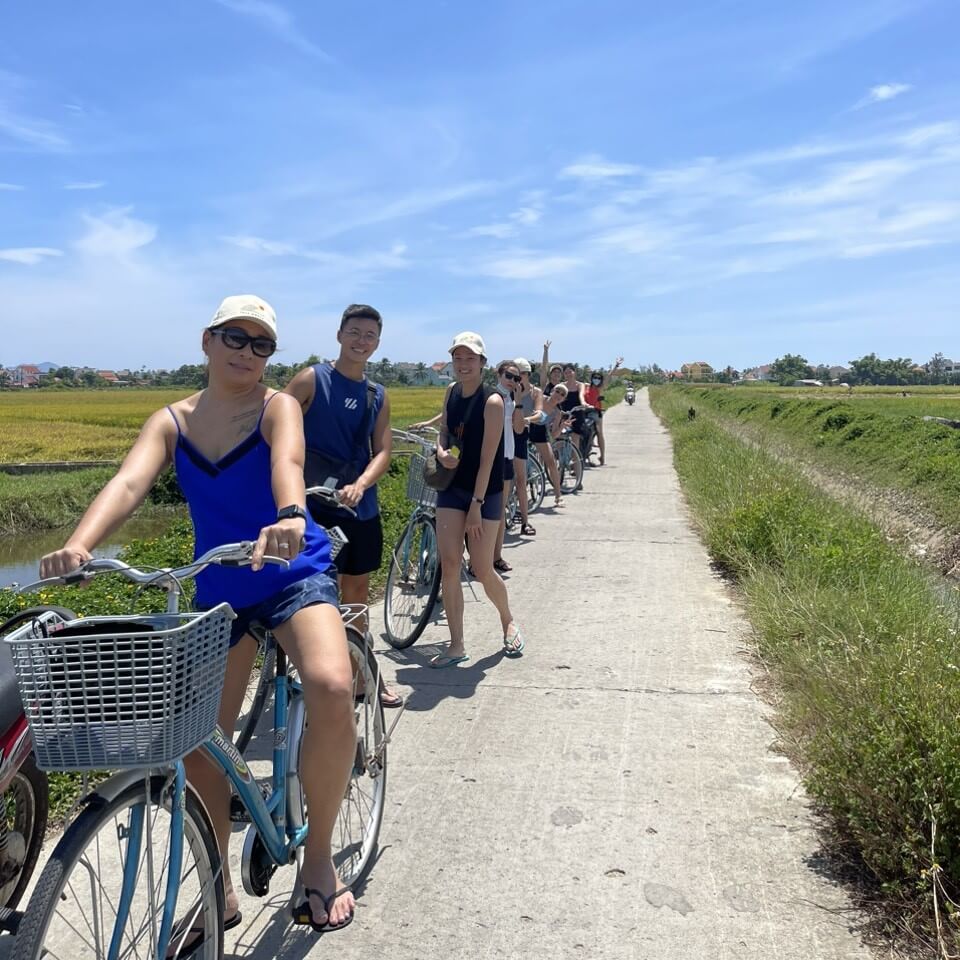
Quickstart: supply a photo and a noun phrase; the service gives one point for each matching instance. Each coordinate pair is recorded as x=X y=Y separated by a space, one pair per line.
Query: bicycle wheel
x=536 y=485
x=357 y=828
x=577 y=462
x=74 y=909
x=258 y=693
x=27 y=798
x=26 y=803
x=413 y=582
x=569 y=464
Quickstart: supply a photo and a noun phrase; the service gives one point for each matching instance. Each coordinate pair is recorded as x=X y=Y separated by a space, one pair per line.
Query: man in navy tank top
x=346 y=422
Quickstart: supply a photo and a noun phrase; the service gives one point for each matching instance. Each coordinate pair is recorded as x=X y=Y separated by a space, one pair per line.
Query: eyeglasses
x=360 y=335
x=236 y=340
x=512 y=377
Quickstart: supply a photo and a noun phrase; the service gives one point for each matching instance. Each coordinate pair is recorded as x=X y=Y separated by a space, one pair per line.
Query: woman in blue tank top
x=238 y=451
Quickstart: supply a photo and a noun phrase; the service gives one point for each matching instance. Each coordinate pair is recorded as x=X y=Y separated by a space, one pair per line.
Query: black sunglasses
x=236 y=340
x=510 y=376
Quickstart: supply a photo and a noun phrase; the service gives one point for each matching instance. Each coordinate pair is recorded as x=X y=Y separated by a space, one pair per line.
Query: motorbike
x=630 y=397
x=24 y=790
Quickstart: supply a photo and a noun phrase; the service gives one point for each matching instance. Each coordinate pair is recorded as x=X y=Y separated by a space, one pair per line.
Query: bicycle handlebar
x=227 y=555
x=331 y=496
x=425 y=437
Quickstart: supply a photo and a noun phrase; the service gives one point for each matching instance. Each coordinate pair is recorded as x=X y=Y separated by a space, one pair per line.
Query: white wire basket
x=122 y=692
x=417 y=489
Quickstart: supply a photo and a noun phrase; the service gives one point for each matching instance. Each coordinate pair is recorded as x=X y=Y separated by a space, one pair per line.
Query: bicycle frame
x=269 y=815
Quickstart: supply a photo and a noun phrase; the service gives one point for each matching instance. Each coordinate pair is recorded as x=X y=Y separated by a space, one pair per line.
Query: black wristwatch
x=294 y=510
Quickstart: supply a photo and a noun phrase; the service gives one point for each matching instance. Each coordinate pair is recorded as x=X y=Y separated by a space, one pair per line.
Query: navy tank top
x=232 y=500
x=338 y=423
x=468 y=436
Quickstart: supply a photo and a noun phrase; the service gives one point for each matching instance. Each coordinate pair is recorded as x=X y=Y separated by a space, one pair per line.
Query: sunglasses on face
x=236 y=340
x=512 y=377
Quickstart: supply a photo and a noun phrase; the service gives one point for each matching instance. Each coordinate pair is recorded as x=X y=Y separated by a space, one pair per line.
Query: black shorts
x=507 y=469
x=520 y=445
x=538 y=433
x=364 y=549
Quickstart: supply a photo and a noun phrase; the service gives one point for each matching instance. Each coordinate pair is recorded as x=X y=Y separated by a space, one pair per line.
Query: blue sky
x=726 y=181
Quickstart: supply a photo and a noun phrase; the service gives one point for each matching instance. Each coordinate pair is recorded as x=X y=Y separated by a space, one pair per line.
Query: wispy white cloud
x=85 y=185
x=528 y=266
x=280 y=22
x=10 y=186
x=392 y=259
x=525 y=216
x=594 y=167
x=31 y=132
x=881 y=93
x=115 y=234
x=30 y=256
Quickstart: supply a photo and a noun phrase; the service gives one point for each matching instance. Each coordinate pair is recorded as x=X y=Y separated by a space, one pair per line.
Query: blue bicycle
x=137 y=873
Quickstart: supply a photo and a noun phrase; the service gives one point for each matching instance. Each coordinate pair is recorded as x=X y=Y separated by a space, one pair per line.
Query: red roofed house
x=26 y=375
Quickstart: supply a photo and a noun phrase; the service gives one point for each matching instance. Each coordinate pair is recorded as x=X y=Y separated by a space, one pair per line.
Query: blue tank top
x=338 y=424
x=232 y=500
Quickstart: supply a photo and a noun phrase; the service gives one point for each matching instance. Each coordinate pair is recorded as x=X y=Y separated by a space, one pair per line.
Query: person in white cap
x=471 y=442
x=238 y=450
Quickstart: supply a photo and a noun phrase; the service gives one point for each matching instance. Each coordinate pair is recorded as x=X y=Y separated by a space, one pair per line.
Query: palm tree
x=421 y=372
x=384 y=369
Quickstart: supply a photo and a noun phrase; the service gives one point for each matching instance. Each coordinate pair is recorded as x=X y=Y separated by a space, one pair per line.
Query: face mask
x=596 y=381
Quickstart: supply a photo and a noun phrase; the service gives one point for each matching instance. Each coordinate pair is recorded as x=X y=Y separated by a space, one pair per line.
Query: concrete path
x=611 y=794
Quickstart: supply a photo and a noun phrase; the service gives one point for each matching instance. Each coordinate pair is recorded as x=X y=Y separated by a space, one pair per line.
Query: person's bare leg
x=550 y=462
x=520 y=471
x=209 y=780
x=600 y=441
x=355 y=588
x=502 y=528
x=450 y=529
x=481 y=559
x=315 y=641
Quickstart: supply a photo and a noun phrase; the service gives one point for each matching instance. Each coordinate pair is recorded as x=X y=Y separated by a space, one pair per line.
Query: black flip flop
x=303 y=916
x=190 y=950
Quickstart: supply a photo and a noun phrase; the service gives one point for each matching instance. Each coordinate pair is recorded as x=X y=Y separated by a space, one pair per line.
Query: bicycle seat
x=10 y=706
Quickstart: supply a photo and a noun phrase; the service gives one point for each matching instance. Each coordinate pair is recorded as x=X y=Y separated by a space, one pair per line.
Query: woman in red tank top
x=593 y=395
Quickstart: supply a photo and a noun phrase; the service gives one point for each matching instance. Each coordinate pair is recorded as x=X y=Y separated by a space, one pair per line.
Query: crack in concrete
x=652 y=691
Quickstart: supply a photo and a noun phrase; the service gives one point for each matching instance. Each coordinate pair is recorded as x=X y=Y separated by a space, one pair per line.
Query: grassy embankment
x=865 y=652
x=874 y=433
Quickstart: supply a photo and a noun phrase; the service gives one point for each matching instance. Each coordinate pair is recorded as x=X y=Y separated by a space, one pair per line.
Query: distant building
x=442 y=372
x=759 y=373
x=698 y=370
x=26 y=375
x=808 y=383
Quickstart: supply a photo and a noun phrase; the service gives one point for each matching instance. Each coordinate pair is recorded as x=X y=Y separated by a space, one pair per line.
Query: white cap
x=246 y=306
x=472 y=341
x=523 y=365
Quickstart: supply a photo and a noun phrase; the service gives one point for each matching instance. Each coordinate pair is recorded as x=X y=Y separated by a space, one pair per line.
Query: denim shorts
x=270 y=613
x=453 y=498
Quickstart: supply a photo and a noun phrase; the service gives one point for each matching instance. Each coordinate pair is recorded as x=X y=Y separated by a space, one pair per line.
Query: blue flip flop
x=439 y=662
x=513 y=646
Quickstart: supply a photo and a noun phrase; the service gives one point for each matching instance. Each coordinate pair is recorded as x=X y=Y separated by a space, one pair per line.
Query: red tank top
x=592 y=396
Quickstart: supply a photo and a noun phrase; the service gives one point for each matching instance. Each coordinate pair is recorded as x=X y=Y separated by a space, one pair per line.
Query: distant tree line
x=194 y=375
x=869 y=369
